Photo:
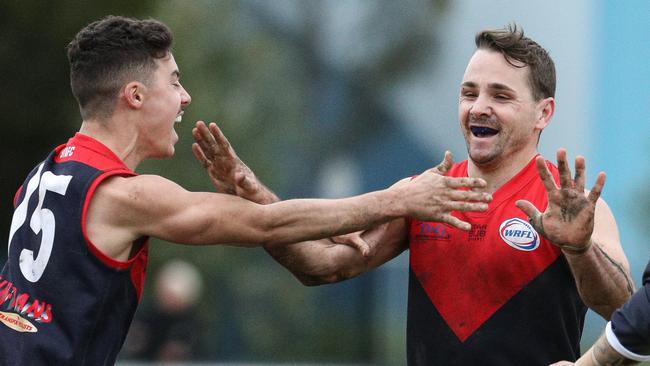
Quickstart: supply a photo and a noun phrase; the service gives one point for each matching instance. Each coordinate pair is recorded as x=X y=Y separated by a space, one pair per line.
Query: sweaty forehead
x=488 y=67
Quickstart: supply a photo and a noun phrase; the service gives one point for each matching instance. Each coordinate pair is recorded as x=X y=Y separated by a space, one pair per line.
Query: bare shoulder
x=119 y=207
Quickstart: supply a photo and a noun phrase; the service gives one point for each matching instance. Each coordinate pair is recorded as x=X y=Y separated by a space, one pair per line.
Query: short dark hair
x=514 y=46
x=110 y=52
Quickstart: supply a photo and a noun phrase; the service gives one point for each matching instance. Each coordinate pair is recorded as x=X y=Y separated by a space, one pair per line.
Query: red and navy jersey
x=629 y=330
x=62 y=301
x=499 y=294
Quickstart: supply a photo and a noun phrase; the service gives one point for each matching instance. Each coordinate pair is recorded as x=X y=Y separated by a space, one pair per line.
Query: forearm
x=300 y=220
x=319 y=262
x=602 y=354
x=604 y=284
x=322 y=261
x=262 y=194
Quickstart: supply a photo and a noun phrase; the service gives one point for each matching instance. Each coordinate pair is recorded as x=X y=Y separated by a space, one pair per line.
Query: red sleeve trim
x=107 y=260
x=20 y=189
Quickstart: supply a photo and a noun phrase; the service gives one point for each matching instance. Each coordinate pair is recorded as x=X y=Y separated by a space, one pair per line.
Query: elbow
x=605 y=308
x=318 y=280
x=604 y=311
x=327 y=275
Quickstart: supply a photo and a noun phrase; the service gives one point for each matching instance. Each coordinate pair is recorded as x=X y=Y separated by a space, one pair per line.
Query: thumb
x=528 y=208
x=360 y=244
x=354 y=240
x=446 y=163
x=199 y=155
x=244 y=182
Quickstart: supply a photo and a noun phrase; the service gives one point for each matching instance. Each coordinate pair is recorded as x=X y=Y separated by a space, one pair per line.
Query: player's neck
x=498 y=172
x=120 y=140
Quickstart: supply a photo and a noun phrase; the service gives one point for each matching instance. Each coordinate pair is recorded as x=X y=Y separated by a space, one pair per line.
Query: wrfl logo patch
x=519 y=234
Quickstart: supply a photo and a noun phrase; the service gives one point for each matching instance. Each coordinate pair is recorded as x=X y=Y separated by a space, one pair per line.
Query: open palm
x=568 y=221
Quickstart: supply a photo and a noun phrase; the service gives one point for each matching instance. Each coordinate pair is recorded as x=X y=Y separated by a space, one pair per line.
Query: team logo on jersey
x=432 y=231
x=17 y=322
x=519 y=234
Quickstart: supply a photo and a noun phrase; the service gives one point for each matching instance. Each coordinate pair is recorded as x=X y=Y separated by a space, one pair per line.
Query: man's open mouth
x=479 y=131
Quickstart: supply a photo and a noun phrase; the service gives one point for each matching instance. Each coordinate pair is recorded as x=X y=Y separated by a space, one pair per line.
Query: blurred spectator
x=168 y=329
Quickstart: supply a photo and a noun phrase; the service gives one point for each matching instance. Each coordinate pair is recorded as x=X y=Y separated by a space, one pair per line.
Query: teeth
x=483 y=131
x=179 y=118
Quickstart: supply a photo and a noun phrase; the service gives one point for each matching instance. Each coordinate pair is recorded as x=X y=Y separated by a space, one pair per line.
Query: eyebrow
x=499 y=86
x=496 y=86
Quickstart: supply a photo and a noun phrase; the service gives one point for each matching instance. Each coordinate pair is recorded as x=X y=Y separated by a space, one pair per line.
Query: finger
x=563 y=168
x=199 y=130
x=563 y=363
x=206 y=141
x=470 y=196
x=597 y=189
x=199 y=123
x=456 y=222
x=353 y=240
x=198 y=153
x=358 y=243
x=528 y=208
x=579 y=180
x=467 y=206
x=195 y=132
x=446 y=163
x=219 y=137
x=545 y=174
x=465 y=182
x=534 y=216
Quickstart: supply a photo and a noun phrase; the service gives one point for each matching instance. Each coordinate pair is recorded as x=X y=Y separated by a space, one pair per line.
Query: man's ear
x=545 y=110
x=133 y=94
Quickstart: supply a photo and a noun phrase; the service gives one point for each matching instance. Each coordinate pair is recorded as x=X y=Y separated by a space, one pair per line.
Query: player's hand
x=228 y=173
x=432 y=196
x=563 y=363
x=568 y=221
x=355 y=241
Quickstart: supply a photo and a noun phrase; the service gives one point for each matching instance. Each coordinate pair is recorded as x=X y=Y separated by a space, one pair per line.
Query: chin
x=481 y=159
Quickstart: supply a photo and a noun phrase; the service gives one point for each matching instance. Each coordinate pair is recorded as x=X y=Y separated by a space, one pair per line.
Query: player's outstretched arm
x=324 y=261
x=312 y=262
x=582 y=225
x=149 y=205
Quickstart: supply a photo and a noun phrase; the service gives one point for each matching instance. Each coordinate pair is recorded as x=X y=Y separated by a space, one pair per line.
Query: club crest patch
x=519 y=234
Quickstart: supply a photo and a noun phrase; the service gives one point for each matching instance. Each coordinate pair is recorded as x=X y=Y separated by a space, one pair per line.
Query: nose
x=481 y=107
x=186 y=99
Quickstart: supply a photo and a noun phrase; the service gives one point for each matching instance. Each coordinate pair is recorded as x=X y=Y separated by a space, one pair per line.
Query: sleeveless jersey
x=499 y=294
x=62 y=301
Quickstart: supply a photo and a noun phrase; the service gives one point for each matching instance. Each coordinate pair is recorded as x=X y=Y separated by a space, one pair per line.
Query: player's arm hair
x=320 y=262
x=149 y=205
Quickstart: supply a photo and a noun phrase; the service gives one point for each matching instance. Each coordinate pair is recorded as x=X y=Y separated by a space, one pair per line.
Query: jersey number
x=42 y=220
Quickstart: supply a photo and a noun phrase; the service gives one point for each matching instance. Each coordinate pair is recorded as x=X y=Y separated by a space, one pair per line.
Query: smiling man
x=514 y=289
x=78 y=242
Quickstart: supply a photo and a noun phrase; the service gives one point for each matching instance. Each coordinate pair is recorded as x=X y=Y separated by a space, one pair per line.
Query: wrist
x=576 y=250
x=396 y=205
x=594 y=361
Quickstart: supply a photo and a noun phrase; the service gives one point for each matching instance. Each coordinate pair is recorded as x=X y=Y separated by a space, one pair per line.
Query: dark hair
x=521 y=51
x=110 y=52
